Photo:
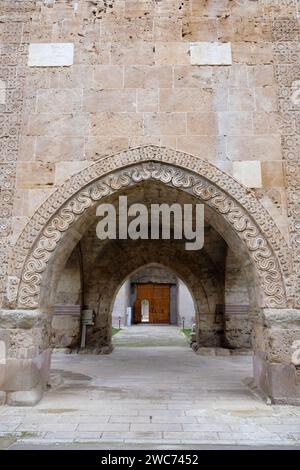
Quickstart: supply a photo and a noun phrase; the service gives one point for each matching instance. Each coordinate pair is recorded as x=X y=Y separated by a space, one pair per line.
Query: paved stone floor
x=149 y=397
x=150 y=335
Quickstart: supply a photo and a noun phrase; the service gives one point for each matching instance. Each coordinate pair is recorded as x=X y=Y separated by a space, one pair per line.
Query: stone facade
x=171 y=100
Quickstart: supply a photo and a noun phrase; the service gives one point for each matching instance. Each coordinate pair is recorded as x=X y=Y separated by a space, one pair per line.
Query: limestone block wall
x=237 y=309
x=66 y=328
x=65 y=325
x=69 y=289
x=138 y=76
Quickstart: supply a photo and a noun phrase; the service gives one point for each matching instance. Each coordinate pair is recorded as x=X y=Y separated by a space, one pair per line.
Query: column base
x=275 y=381
x=209 y=338
x=25 y=361
x=97 y=350
x=24 y=397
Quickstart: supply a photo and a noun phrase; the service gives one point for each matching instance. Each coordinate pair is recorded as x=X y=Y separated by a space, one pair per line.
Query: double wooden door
x=152 y=303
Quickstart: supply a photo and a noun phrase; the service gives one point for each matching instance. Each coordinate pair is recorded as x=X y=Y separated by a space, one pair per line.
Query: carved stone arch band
x=231 y=200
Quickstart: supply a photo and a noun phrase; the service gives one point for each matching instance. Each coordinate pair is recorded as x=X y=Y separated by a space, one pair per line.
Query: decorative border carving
x=286 y=57
x=15 y=19
x=231 y=200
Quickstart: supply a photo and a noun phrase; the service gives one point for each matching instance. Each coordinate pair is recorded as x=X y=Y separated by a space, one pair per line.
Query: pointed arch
x=237 y=205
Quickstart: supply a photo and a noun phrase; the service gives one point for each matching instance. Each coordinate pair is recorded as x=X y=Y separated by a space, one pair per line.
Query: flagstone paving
x=150 y=335
x=149 y=397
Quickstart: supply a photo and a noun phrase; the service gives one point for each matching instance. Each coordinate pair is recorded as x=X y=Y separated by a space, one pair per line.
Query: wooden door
x=160 y=308
x=158 y=296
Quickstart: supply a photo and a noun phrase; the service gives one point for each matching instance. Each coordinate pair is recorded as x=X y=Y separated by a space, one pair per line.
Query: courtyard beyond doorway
x=150 y=335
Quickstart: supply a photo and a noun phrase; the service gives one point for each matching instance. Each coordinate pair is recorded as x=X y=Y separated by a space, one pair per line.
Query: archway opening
x=219 y=278
x=234 y=221
x=153 y=295
x=153 y=307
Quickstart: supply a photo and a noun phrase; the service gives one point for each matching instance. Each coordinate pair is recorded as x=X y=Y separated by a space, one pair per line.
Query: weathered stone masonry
x=196 y=97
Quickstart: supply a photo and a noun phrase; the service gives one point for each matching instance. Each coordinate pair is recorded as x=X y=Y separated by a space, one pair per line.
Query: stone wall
x=237 y=309
x=134 y=81
x=218 y=80
x=155 y=274
x=66 y=328
x=65 y=325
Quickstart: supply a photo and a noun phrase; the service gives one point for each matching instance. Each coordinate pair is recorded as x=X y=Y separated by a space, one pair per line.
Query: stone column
x=98 y=338
x=25 y=356
x=276 y=344
x=210 y=330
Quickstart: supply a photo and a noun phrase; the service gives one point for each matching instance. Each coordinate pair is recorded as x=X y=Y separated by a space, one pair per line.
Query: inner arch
x=106 y=264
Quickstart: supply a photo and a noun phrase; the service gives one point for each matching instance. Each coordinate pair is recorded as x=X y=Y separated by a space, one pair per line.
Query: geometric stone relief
x=2 y=92
x=286 y=51
x=277 y=8
x=6 y=202
x=12 y=288
x=285 y=29
x=5 y=227
x=15 y=17
x=286 y=74
x=7 y=175
x=236 y=204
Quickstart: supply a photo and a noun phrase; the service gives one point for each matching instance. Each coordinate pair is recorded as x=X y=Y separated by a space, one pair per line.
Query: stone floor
x=150 y=397
x=150 y=335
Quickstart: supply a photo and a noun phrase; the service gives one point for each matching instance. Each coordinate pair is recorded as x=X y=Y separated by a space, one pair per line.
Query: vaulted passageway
x=220 y=283
x=236 y=279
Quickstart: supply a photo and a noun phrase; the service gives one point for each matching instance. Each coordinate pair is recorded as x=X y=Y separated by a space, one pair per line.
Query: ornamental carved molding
x=287 y=69
x=15 y=19
x=235 y=203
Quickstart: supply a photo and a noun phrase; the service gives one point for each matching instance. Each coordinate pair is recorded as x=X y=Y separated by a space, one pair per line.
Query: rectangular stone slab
x=51 y=55
x=211 y=53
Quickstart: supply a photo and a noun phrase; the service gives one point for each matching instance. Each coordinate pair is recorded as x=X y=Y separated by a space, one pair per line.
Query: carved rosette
x=226 y=196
